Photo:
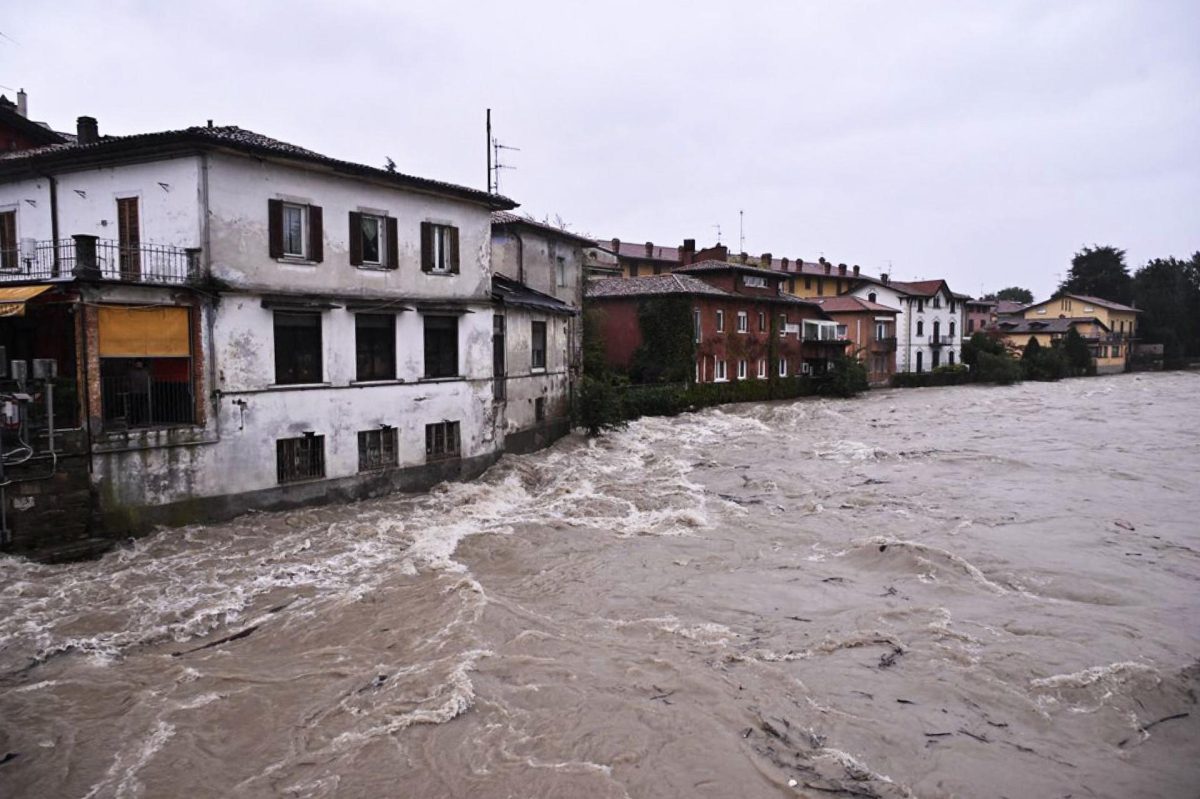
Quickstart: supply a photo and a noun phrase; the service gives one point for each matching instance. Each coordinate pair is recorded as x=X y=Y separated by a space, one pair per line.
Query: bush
x=599 y=406
x=1043 y=363
x=1077 y=353
x=1001 y=369
x=673 y=399
x=847 y=377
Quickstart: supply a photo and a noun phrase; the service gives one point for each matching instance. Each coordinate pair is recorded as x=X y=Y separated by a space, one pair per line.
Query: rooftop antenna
x=718 y=227
x=494 y=165
x=741 y=232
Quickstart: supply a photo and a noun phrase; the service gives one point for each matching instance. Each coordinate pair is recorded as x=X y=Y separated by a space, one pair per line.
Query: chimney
x=785 y=264
x=616 y=245
x=743 y=258
x=856 y=270
x=22 y=103
x=687 y=253
x=883 y=278
x=821 y=260
x=649 y=249
x=87 y=130
x=828 y=267
x=765 y=260
x=841 y=269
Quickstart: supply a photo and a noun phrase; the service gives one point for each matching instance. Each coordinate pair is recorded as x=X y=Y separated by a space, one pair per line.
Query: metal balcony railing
x=941 y=341
x=90 y=258
x=886 y=344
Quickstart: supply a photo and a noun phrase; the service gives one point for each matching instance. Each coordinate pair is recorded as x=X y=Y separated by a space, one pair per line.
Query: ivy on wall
x=668 y=350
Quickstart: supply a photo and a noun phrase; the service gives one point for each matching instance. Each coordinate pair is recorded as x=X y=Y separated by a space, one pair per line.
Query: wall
x=860 y=327
x=523 y=384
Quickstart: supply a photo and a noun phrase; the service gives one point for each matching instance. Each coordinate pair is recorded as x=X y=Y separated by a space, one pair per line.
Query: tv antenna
x=718 y=227
x=741 y=231
x=493 y=155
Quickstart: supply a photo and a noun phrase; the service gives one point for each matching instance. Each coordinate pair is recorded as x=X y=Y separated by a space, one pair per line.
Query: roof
x=848 y=303
x=1005 y=307
x=987 y=303
x=513 y=292
x=504 y=219
x=672 y=283
x=230 y=137
x=631 y=249
x=1017 y=326
x=1103 y=303
x=34 y=131
x=920 y=288
x=701 y=267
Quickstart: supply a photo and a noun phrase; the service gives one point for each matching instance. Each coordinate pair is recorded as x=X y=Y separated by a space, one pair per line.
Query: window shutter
x=453 y=259
x=275 y=228
x=426 y=247
x=393 y=244
x=355 y=238
x=316 y=234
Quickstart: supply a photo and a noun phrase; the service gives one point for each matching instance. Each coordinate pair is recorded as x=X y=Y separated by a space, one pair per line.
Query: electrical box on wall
x=45 y=368
x=20 y=370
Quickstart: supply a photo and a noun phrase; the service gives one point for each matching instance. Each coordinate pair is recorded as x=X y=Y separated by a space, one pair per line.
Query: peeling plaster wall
x=524 y=384
x=239 y=191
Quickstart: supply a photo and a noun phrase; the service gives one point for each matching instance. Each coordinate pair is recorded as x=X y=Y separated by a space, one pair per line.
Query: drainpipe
x=210 y=322
x=53 y=181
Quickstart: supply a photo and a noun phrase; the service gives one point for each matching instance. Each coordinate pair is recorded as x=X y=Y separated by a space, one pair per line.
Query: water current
x=958 y=592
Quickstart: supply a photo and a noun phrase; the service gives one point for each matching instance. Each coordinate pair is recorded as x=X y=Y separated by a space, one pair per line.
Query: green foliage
x=1168 y=292
x=1032 y=350
x=1077 y=353
x=1043 y=363
x=993 y=368
x=980 y=342
x=847 y=377
x=599 y=406
x=668 y=349
x=1100 y=272
x=1012 y=294
x=670 y=400
x=595 y=362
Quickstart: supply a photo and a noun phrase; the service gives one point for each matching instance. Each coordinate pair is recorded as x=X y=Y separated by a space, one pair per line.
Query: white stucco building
x=252 y=324
x=929 y=325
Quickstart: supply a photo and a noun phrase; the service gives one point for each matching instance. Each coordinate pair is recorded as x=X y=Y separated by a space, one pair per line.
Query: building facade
x=929 y=320
x=1114 y=337
x=242 y=323
x=871 y=330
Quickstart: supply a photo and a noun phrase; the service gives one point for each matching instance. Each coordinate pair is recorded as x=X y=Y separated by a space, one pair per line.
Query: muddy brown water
x=987 y=592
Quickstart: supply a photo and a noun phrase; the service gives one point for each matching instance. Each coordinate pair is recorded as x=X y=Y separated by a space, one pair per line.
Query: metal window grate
x=300 y=458
x=441 y=440
x=377 y=449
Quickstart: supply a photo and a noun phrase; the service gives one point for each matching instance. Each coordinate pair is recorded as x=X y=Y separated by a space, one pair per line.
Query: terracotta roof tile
x=848 y=303
x=672 y=283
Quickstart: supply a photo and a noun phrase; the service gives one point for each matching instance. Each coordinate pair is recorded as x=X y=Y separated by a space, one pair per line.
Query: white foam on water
x=126 y=765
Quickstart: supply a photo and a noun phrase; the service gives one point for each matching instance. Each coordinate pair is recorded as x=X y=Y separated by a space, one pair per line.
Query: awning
x=152 y=332
x=13 y=299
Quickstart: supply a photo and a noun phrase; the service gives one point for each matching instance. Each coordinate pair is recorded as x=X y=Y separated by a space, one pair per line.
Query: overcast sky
x=983 y=142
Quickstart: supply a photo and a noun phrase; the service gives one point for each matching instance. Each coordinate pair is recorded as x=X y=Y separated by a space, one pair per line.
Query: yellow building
x=1111 y=345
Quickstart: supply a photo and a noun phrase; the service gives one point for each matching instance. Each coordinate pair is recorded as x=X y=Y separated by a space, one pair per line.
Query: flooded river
x=976 y=591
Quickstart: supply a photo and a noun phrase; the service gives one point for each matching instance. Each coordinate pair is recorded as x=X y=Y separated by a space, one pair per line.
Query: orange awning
x=158 y=332
x=13 y=298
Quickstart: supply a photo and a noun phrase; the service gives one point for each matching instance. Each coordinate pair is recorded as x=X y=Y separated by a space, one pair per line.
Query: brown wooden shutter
x=426 y=247
x=316 y=234
x=355 y=238
x=452 y=258
x=393 y=244
x=275 y=228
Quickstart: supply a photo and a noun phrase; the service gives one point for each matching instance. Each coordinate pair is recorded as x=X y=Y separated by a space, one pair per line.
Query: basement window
x=441 y=441
x=537 y=334
x=377 y=449
x=301 y=458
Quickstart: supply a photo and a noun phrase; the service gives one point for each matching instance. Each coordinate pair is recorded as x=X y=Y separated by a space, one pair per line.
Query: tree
x=979 y=343
x=1100 y=272
x=1012 y=294
x=1077 y=353
x=1168 y=292
x=1032 y=350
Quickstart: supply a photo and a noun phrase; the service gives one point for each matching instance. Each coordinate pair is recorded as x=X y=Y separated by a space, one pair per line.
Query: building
x=613 y=257
x=1115 y=335
x=1016 y=333
x=18 y=132
x=538 y=277
x=980 y=314
x=928 y=322
x=745 y=326
x=236 y=322
x=871 y=330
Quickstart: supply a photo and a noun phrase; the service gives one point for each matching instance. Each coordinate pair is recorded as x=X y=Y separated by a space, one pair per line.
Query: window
x=871 y=297
x=783 y=372
x=294 y=231
x=375 y=346
x=696 y=323
x=697 y=371
x=920 y=327
x=782 y=325
x=881 y=330
x=820 y=287
x=441 y=440
x=742 y=369
x=129 y=238
x=560 y=272
x=537 y=334
x=374 y=241
x=952 y=328
x=950 y=357
x=762 y=322
x=920 y=358
x=842 y=332
x=499 y=389
x=808 y=284
x=633 y=270
x=937 y=358
x=953 y=307
x=439 y=248
x=720 y=321
x=762 y=368
x=297 y=347
x=9 y=253
x=146 y=376
x=920 y=305
x=720 y=372
x=377 y=449
x=743 y=322
x=300 y=458
x=441 y=346
x=970 y=325
x=539 y=409
x=937 y=302
x=754 y=282
x=1116 y=350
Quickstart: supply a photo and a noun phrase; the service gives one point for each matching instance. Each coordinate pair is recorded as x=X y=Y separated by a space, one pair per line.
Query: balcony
x=941 y=341
x=886 y=344
x=90 y=258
